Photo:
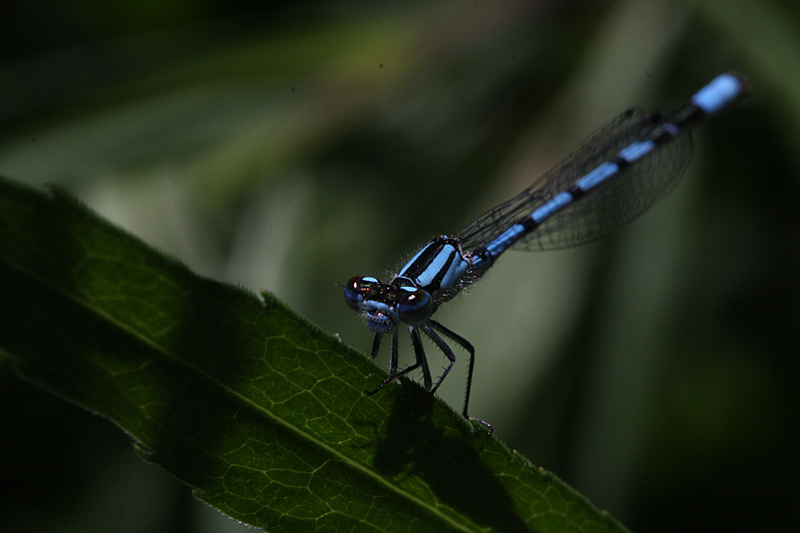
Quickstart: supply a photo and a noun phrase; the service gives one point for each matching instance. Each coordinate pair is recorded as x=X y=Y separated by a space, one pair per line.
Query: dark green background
x=289 y=148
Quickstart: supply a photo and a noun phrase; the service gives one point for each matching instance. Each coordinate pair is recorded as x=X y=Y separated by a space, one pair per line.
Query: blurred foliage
x=291 y=147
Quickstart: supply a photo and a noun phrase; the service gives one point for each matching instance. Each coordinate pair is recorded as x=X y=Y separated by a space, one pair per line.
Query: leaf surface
x=261 y=413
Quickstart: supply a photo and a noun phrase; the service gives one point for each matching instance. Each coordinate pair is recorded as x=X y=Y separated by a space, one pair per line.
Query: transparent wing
x=603 y=209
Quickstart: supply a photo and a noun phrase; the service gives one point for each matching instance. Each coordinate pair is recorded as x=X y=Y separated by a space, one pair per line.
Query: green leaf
x=262 y=414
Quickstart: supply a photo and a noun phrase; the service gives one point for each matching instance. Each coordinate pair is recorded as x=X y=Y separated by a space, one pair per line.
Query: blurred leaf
x=259 y=412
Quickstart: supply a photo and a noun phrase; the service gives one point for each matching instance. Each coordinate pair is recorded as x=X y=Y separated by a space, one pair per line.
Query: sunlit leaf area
x=285 y=148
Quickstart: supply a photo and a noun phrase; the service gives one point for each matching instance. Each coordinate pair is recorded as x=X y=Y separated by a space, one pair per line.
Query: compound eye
x=415 y=306
x=356 y=289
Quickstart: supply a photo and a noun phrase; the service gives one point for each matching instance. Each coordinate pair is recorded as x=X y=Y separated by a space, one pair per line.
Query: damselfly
x=614 y=176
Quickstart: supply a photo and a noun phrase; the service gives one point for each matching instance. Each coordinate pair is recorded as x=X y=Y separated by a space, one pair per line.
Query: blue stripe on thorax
x=436 y=267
